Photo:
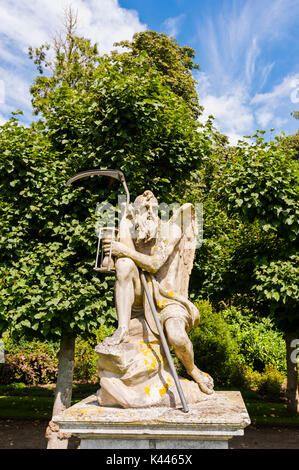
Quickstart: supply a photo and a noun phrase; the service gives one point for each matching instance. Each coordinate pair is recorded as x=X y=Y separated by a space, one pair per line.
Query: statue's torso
x=168 y=274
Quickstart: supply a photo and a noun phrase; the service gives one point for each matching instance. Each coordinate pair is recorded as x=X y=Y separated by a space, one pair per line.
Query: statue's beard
x=146 y=231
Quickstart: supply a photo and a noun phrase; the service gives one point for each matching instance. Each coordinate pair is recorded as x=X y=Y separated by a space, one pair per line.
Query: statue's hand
x=118 y=248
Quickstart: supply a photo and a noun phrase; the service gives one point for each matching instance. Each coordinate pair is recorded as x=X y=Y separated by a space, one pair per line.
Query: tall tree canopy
x=175 y=63
x=260 y=184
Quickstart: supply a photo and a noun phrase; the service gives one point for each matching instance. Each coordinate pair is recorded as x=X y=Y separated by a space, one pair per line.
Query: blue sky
x=247 y=50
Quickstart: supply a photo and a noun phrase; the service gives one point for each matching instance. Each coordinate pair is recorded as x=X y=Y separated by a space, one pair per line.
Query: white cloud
x=273 y=107
x=236 y=114
x=33 y=22
x=232 y=44
x=232 y=114
x=173 y=24
x=252 y=55
x=281 y=91
x=264 y=117
x=264 y=73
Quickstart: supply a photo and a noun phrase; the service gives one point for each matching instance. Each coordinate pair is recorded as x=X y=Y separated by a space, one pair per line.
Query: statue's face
x=145 y=219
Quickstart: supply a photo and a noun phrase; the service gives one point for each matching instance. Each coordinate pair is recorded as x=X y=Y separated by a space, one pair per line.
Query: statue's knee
x=177 y=338
x=124 y=268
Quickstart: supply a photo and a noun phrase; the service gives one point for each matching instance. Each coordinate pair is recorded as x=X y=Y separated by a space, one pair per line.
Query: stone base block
x=207 y=425
x=116 y=444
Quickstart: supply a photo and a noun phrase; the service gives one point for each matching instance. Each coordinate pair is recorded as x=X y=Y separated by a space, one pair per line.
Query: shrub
x=260 y=343
x=85 y=361
x=215 y=350
x=35 y=362
x=86 y=357
x=271 y=383
x=28 y=368
x=246 y=378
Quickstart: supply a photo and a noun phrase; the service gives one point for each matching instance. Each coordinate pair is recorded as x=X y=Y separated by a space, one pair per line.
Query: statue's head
x=145 y=217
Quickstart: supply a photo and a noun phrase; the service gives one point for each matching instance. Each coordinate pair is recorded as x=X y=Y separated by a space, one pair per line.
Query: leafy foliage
x=44 y=285
x=260 y=343
x=94 y=113
x=174 y=63
x=215 y=350
x=278 y=282
x=261 y=183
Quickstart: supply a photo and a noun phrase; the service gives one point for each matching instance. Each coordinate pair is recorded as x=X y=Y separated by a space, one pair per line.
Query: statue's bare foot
x=204 y=380
x=119 y=336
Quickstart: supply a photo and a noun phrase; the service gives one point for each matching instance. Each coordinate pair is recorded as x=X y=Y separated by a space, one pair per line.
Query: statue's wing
x=185 y=217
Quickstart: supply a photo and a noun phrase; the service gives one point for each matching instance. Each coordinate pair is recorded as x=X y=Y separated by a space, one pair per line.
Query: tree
x=291 y=142
x=175 y=63
x=47 y=292
x=94 y=112
x=260 y=185
x=69 y=60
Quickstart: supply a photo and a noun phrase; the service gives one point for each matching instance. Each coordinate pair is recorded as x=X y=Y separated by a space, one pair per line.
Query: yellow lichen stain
x=169 y=380
x=170 y=293
x=205 y=373
x=164 y=389
x=147 y=391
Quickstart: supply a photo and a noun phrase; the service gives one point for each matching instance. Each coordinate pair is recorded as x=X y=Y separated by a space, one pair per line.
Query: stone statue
x=132 y=366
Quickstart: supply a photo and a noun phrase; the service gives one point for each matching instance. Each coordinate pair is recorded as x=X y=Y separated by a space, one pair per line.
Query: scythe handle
x=164 y=344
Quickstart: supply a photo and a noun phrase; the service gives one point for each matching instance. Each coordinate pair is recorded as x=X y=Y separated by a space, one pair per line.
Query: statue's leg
x=127 y=293
x=178 y=338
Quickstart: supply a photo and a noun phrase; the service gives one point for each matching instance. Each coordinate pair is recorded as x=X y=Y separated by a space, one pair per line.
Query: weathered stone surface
x=176 y=444
x=136 y=374
x=153 y=261
x=207 y=425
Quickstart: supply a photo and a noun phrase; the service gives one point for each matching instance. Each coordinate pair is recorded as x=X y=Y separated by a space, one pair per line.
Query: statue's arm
x=149 y=263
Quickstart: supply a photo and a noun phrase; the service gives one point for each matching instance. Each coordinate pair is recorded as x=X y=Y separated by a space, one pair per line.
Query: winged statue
x=132 y=366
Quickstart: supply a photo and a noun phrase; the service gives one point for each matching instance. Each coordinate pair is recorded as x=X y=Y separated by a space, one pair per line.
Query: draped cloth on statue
x=169 y=304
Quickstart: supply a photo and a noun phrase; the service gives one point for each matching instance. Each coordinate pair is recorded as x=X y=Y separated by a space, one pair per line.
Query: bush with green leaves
x=35 y=362
x=215 y=349
x=271 y=383
x=29 y=368
x=260 y=343
x=85 y=356
x=236 y=348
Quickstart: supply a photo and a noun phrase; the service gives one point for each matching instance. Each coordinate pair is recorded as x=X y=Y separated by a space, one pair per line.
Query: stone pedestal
x=208 y=425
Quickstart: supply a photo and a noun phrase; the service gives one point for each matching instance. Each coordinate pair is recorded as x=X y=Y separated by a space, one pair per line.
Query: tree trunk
x=63 y=392
x=292 y=373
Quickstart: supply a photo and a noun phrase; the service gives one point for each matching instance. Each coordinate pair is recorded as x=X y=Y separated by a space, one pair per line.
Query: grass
x=21 y=390
x=271 y=413
x=26 y=407
x=20 y=401
x=35 y=402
